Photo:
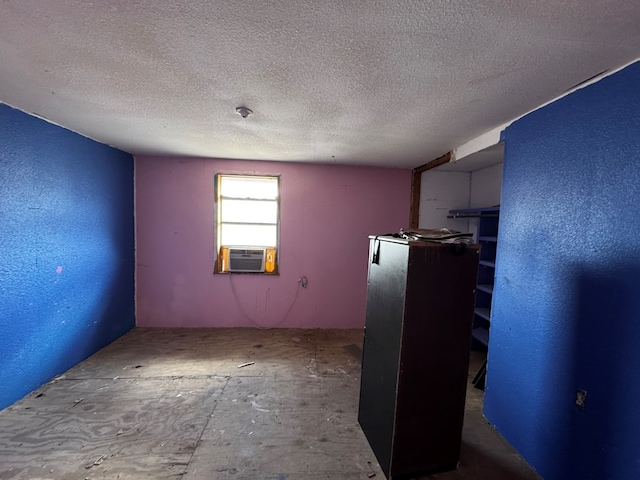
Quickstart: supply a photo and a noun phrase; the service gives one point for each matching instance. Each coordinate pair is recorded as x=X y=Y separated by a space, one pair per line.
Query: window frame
x=218 y=220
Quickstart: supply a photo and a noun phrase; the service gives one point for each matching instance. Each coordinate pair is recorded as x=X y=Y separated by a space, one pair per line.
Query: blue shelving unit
x=487 y=237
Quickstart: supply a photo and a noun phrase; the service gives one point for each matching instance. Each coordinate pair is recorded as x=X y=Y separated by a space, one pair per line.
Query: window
x=247 y=221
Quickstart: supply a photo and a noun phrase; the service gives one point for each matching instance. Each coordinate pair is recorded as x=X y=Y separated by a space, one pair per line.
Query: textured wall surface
x=566 y=313
x=327 y=213
x=67 y=249
x=441 y=192
x=486 y=185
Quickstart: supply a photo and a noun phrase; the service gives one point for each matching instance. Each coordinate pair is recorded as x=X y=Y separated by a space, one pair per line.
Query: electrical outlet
x=581 y=399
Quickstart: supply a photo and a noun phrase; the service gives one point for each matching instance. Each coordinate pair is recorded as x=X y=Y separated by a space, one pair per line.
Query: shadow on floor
x=174 y=404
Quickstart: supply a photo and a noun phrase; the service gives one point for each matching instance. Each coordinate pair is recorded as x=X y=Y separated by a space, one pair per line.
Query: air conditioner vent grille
x=246 y=259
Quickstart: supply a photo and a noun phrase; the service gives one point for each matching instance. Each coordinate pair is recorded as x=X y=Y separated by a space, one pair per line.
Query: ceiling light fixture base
x=244 y=112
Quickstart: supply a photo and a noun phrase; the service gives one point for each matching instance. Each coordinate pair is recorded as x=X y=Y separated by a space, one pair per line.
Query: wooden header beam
x=446 y=158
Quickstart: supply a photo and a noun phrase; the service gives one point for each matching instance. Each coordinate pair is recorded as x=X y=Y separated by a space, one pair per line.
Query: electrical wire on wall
x=302 y=281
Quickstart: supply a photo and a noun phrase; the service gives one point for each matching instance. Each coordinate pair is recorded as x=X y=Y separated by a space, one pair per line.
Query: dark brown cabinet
x=420 y=302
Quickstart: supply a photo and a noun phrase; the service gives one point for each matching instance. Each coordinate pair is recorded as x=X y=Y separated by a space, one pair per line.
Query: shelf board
x=485 y=238
x=488 y=263
x=481 y=334
x=495 y=209
x=475 y=212
x=483 y=312
x=486 y=288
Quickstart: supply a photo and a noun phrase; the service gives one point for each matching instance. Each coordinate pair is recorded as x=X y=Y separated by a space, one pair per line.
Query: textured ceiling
x=394 y=83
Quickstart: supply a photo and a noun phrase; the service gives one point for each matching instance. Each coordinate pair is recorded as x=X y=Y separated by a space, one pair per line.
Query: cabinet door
x=381 y=352
x=434 y=359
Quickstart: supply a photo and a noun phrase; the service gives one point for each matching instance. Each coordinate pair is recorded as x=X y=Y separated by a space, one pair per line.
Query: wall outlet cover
x=581 y=399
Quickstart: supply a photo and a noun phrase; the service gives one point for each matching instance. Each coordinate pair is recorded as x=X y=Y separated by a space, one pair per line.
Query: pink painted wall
x=327 y=213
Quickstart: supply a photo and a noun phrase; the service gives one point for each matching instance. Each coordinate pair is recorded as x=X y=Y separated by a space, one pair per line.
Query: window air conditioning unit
x=246 y=259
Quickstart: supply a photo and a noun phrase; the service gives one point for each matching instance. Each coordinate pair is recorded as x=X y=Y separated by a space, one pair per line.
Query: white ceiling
x=395 y=83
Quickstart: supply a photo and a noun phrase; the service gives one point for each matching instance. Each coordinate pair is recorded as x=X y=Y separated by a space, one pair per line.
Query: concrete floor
x=174 y=403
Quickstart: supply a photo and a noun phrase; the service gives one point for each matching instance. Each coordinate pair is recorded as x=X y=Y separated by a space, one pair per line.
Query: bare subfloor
x=177 y=403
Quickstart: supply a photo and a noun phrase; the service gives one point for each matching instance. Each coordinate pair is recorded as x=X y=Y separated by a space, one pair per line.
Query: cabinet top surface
x=415 y=243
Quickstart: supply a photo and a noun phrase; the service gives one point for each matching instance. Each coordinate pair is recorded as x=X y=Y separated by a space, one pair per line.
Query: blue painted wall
x=67 y=250
x=566 y=313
